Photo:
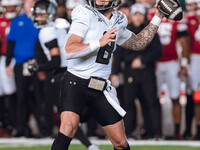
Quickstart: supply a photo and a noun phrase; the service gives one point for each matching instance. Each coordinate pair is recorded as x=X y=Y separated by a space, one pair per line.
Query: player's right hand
x=109 y=36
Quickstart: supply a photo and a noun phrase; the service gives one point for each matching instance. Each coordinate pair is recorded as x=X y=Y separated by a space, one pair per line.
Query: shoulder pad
x=121 y=18
x=80 y=10
x=47 y=33
x=81 y=13
x=61 y=23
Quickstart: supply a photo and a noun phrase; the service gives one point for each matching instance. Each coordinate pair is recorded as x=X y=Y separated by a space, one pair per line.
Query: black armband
x=51 y=65
x=52 y=44
x=9 y=51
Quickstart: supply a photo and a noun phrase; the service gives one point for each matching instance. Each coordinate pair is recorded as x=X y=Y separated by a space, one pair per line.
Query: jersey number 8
x=104 y=53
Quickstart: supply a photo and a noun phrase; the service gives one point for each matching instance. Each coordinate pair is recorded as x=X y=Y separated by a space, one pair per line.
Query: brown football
x=171 y=9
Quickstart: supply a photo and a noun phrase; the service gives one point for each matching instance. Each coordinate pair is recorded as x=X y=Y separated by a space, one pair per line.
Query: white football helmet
x=112 y=4
x=44 y=12
x=191 y=6
x=11 y=2
x=11 y=13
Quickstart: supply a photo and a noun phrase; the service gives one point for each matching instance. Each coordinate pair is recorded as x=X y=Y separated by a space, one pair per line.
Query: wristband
x=94 y=45
x=184 y=62
x=156 y=20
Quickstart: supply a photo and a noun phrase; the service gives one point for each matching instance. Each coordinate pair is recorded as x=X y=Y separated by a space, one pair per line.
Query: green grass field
x=107 y=147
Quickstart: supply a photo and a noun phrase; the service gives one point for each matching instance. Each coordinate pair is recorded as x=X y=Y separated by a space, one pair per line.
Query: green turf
x=107 y=147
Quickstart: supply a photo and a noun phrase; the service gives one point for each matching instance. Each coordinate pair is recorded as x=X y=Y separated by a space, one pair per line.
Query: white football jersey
x=90 y=24
x=49 y=33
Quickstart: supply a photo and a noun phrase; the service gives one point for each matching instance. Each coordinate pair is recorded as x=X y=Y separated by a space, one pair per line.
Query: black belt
x=95 y=83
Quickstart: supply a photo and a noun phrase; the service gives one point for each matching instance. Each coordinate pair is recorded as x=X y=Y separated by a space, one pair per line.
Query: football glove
x=32 y=68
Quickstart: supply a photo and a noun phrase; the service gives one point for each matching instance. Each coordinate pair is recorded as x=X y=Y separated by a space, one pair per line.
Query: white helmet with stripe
x=11 y=2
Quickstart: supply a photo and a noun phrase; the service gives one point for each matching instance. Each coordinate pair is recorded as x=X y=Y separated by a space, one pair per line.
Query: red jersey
x=168 y=33
x=4 y=29
x=194 y=30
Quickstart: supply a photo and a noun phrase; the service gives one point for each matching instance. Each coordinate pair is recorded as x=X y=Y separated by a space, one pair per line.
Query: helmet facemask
x=112 y=4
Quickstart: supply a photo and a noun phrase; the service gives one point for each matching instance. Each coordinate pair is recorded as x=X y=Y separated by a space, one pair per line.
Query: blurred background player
x=193 y=16
x=21 y=47
x=190 y=15
x=10 y=10
x=170 y=33
x=169 y=69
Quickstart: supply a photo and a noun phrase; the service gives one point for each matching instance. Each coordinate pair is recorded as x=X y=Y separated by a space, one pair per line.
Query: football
x=171 y=9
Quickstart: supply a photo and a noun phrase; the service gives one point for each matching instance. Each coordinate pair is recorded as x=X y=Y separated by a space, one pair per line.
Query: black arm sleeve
x=50 y=65
x=39 y=54
x=9 y=51
x=154 y=53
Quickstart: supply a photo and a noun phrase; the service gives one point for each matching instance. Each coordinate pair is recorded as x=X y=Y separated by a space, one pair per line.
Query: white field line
x=15 y=142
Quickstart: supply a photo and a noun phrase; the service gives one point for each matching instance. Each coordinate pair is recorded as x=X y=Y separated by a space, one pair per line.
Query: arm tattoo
x=142 y=39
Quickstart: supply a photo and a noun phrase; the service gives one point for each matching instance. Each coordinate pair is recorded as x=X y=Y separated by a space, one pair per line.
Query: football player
x=193 y=17
x=22 y=49
x=96 y=29
x=7 y=83
x=51 y=42
x=169 y=67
